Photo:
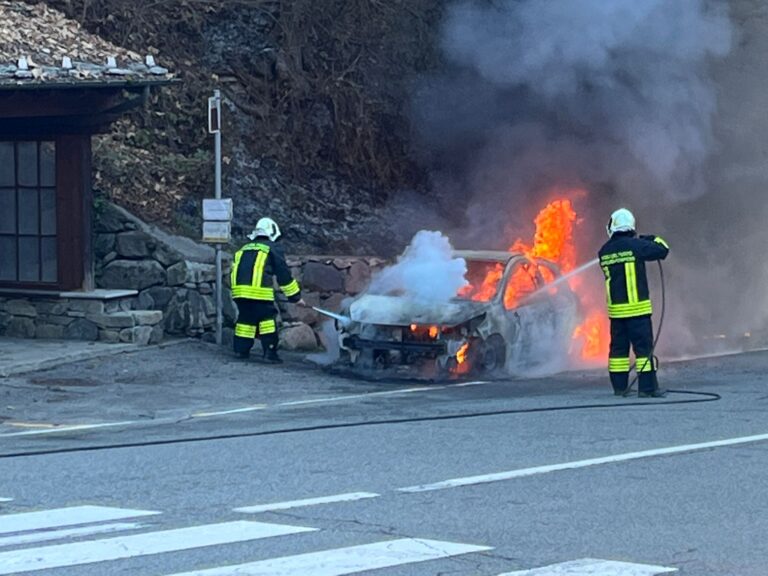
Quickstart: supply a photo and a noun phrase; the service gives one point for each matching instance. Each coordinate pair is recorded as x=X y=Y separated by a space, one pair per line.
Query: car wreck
x=514 y=316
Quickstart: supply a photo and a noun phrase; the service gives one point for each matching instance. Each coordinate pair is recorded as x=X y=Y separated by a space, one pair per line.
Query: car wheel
x=493 y=354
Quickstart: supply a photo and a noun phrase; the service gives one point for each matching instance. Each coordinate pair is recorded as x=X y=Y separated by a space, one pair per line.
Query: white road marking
x=43 y=428
x=48 y=535
x=120 y=547
x=592 y=567
x=350 y=560
x=522 y=472
x=6 y=499
x=61 y=517
x=307 y=502
x=233 y=411
x=354 y=396
x=56 y=429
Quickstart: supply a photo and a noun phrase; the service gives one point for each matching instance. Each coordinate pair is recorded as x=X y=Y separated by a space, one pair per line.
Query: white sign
x=217 y=232
x=219 y=210
x=214 y=115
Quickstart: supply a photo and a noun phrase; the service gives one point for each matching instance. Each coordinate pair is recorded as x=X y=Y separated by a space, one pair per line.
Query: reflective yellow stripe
x=233 y=272
x=607 y=272
x=245 y=331
x=618 y=364
x=267 y=327
x=291 y=289
x=644 y=364
x=258 y=270
x=631 y=277
x=660 y=240
x=630 y=310
x=253 y=293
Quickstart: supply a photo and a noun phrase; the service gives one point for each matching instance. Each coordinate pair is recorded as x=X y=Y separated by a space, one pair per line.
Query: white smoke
x=427 y=271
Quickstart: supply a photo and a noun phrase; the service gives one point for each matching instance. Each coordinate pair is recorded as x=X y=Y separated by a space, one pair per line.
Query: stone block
x=50 y=331
x=81 y=329
x=198 y=272
x=322 y=278
x=132 y=274
x=20 y=308
x=103 y=244
x=87 y=306
x=19 y=327
x=157 y=334
x=110 y=218
x=299 y=337
x=56 y=308
x=176 y=275
x=134 y=244
x=147 y=317
x=160 y=295
x=58 y=320
x=166 y=256
x=358 y=278
x=114 y=320
x=139 y=335
x=109 y=336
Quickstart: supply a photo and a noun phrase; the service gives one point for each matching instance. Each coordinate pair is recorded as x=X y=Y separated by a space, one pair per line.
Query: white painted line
x=522 y=472
x=6 y=499
x=353 y=396
x=592 y=567
x=48 y=535
x=233 y=411
x=352 y=496
x=61 y=517
x=55 y=429
x=350 y=560
x=120 y=547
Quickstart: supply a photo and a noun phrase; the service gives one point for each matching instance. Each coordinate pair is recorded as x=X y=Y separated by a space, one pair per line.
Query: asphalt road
x=482 y=478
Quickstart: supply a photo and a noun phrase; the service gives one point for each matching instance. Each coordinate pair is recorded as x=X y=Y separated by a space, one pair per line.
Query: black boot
x=269 y=343
x=648 y=386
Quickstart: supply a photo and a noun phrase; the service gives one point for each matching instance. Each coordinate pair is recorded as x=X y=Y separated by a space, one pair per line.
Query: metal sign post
x=214 y=127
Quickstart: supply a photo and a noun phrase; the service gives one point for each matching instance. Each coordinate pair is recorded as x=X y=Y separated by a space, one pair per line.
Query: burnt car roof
x=488 y=255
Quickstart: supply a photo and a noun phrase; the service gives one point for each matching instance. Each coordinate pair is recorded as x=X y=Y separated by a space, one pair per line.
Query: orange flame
x=553 y=241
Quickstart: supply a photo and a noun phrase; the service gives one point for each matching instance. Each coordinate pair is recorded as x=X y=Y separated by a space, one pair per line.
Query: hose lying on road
x=703 y=397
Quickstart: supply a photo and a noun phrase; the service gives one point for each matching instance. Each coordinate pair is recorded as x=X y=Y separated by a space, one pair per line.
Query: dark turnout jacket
x=254 y=269
x=623 y=260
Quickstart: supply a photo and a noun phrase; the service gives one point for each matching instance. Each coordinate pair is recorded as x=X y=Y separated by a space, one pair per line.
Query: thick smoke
x=614 y=97
x=426 y=271
x=611 y=95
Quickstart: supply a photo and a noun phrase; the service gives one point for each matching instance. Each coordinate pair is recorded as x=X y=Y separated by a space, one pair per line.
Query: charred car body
x=513 y=317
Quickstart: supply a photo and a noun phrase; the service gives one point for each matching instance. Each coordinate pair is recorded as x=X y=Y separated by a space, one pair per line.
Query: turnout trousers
x=255 y=318
x=638 y=332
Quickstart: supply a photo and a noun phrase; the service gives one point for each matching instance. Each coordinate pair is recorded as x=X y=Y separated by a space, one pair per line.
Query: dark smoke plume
x=613 y=95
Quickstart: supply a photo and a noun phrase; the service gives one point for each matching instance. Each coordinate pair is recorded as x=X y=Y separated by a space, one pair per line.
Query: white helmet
x=622 y=220
x=266 y=227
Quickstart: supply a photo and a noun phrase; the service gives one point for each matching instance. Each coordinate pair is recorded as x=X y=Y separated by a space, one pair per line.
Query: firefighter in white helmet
x=255 y=268
x=623 y=260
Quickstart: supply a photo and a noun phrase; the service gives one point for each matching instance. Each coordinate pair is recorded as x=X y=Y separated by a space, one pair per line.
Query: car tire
x=493 y=354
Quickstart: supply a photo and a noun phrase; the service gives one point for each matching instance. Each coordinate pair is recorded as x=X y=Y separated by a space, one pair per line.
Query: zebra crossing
x=74 y=536
x=81 y=535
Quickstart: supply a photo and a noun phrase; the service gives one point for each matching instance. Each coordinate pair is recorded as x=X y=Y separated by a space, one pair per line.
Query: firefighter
x=254 y=269
x=623 y=260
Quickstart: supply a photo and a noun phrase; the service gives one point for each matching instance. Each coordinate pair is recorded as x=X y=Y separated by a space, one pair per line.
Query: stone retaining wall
x=171 y=274
x=77 y=318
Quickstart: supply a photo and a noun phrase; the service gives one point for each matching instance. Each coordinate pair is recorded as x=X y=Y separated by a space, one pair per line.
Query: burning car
x=514 y=316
